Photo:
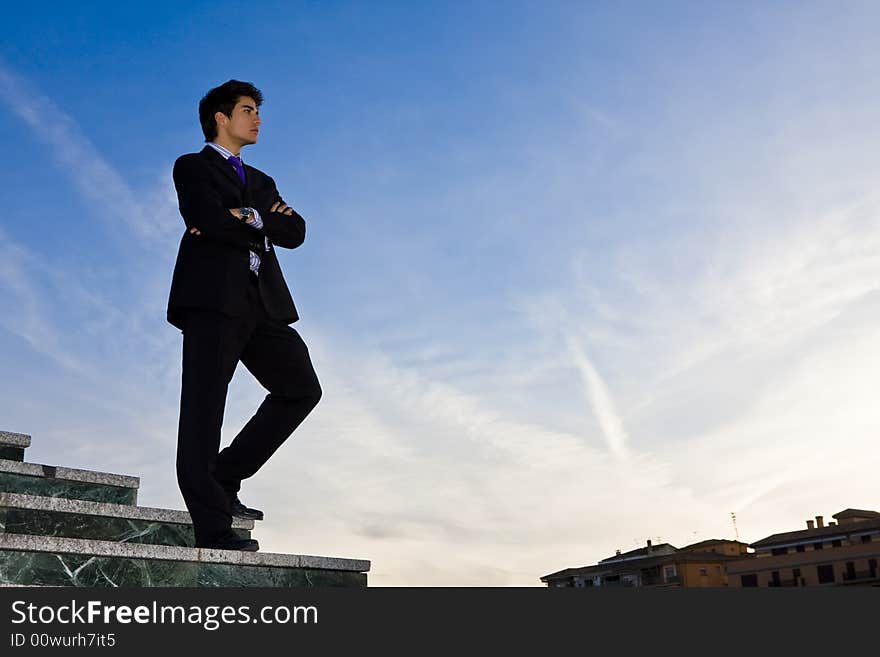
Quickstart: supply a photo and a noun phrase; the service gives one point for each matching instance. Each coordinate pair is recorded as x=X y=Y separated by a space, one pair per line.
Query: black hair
x=223 y=99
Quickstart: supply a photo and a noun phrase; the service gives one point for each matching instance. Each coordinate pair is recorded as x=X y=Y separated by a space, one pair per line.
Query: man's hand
x=282 y=208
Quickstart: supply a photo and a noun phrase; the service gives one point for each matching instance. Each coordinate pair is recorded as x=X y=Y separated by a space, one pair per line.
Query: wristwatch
x=245 y=213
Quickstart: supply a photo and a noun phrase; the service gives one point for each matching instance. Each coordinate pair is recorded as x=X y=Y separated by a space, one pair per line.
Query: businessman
x=230 y=300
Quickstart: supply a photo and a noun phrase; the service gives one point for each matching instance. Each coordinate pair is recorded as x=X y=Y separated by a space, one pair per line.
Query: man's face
x=243 y=126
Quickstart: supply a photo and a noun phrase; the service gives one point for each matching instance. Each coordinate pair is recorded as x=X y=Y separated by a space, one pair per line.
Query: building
x=844 y=552
x=701 y=564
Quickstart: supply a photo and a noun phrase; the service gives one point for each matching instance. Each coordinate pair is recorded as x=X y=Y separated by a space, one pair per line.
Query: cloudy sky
x=577 y=274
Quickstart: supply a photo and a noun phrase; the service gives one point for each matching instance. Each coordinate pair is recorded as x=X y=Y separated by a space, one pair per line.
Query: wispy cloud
x=81 y=161
x=407 y=467
x=599 y=397
x=25 y=309
x=100 y=330
x=743 y=357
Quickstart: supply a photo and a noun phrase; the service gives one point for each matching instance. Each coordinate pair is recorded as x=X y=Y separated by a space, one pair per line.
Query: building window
x=836 y=543
x=817 y=546
x=776 y=551
x=748 y=580
x=850 y=570
x=704 y=572
x=669 y=571
x=799 y=548
x=717 y=570
x=796 y=573
x=866 y=538
x=825 y=573
x=774 y=578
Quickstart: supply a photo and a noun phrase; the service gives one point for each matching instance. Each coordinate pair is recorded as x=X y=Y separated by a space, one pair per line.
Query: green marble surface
x=47 y=569
x=38 y=522
x=217 y=574
x=11 y=453
x=78 y=490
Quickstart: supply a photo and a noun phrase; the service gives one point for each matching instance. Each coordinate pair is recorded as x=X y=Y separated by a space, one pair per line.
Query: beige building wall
x=831 y=562
x=698 y=575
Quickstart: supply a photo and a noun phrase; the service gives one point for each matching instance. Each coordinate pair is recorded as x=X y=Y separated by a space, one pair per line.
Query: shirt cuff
x=257 y=223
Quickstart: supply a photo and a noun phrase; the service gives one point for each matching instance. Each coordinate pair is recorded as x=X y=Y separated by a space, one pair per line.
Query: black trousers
x=276 y=355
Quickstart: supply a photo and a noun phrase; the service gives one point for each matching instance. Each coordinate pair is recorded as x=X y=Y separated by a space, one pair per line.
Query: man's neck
x=232 y=147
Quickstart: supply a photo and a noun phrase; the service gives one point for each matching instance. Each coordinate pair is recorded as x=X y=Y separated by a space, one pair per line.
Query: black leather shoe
x=231 y=541
x=239 y=510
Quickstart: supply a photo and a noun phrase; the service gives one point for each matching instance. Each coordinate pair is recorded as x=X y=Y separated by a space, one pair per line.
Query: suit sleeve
x=201 y=206
x=283 y=230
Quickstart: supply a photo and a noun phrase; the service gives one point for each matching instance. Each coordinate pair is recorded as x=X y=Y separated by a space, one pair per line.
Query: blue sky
x=577 y=274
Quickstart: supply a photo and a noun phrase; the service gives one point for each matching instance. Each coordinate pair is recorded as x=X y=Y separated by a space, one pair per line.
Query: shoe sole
x=244 y=516
x=246 y=548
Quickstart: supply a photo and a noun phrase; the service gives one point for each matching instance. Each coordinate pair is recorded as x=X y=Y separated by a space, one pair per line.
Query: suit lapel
x=220 y=162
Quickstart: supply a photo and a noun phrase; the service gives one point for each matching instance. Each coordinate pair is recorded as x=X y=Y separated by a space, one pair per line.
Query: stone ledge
x=70 y=474
x=78 y=546
x=12 y=439
x=105 y=509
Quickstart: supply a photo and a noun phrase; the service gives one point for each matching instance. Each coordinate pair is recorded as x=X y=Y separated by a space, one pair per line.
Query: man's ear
x=220 y=115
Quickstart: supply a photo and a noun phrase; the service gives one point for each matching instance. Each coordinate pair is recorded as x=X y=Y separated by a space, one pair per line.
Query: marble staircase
x=67 y=527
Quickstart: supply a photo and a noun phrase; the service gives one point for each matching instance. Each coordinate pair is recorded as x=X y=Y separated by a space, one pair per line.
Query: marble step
x=12 y=445
x=56 y=561
x=51 y=481
x=57 y=516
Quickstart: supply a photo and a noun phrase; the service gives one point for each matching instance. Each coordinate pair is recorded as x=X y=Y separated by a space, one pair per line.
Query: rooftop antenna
x=733 y=520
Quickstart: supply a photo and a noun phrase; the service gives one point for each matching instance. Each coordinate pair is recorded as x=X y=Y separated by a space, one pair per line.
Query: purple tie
x=236 y=164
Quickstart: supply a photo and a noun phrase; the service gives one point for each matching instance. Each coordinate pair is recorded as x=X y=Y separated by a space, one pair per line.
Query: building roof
x=647 y=562
x=804 y=535
x=710 y=542
x=681 y=557
x=666 y=548
x=855 y=513
x=574 y=572
x=568 y=572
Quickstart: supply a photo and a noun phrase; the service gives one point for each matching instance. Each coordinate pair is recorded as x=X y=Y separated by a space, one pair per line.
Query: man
x=229 y=298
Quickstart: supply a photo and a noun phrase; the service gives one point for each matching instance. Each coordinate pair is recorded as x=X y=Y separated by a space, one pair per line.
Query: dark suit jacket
x=212 y=269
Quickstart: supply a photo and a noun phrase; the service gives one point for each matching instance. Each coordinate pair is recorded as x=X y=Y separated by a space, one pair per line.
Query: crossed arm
x=278 y=206
x=204 y=213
